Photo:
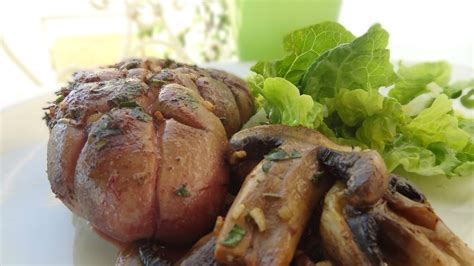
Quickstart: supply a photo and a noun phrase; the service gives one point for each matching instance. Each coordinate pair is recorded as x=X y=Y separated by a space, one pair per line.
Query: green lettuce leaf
x=362 y=64
x=422 y=161
x=331 y=82
x=412 y=80
x=436 y=124
x=436 y=159
x=382 y=128
x=255 y=84
x=465 y=169
x=285 y=105
x=467 y=124
x=412 y=158
x=455 y=90
x=468 y=99
x=446 y=158
x=376 y=131
x=354 y=106
x=303 y=47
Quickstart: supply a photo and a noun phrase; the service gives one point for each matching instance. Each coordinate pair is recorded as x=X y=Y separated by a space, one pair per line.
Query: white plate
x=37 y=229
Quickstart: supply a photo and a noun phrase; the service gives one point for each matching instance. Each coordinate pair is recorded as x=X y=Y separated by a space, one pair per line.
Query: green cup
x=260 y=25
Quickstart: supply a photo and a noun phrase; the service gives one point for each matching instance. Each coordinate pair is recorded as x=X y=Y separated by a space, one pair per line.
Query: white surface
x=35 y=228
x=420 y=30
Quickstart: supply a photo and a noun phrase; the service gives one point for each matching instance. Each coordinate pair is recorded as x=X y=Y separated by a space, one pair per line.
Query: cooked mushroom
x=277 y=198
x=269 y=214
x=254 y=143
x=400 y=229
x=414 y=233
x=364 y=173
x=349 y=237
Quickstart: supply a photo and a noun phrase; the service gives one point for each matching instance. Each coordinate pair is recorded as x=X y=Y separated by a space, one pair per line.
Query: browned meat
x=138 y=148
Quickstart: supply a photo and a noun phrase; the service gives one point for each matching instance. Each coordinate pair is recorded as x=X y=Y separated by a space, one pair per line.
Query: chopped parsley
x=234 y=237
x=295 y=154
x=157 y=82
x=182 y=191
x=140 y=115
x=122 y=101
x=99 y=134
x=101 y=143
x=279 y=154
x=134 y=88
x=47 y=118
x=59 y=99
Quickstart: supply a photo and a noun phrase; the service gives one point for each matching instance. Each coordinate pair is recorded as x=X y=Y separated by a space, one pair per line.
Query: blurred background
x=43 y=42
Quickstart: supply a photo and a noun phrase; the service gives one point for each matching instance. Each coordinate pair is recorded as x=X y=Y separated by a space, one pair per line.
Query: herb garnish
x=234 y=237
x=122 y=101
x=182 y=191
x=140 y=115
x=279 y=154
x=105 y=129
x=59 y=99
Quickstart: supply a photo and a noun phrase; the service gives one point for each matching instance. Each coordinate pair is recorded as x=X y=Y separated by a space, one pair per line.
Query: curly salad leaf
x=338 y=84
x=303 y=47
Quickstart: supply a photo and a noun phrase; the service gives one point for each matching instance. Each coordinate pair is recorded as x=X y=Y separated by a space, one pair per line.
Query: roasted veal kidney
x=138 y=148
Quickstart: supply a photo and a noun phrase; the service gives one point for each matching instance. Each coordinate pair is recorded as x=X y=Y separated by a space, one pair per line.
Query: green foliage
x=330 y=81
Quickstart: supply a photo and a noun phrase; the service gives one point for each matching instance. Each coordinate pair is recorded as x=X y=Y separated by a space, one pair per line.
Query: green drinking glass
x=260 y=25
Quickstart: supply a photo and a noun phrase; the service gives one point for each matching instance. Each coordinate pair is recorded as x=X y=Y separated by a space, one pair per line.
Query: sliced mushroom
x=258 y=141
x=404 y=199
x=254 y=143
x=268 y=216
x=412 y=231
x=408 y=241
x=349 y=237
x=364 y=172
